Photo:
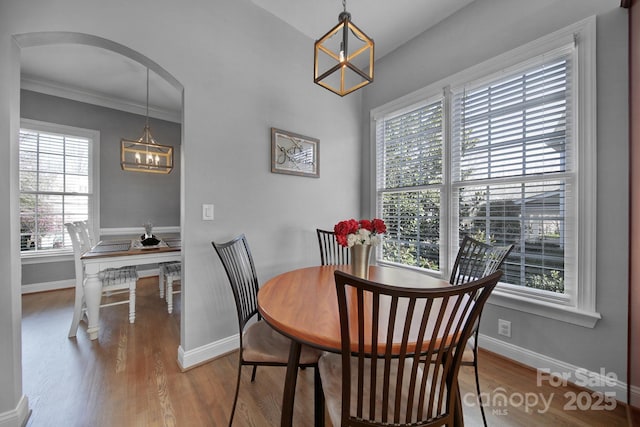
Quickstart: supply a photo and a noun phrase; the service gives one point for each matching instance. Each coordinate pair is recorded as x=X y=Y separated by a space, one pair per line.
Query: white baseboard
x=597 y=381
x=198 y=356
x=47 y=286
x=18 y=416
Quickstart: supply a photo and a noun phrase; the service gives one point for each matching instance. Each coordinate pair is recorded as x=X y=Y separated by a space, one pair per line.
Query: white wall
x=486 y=29
x=243 y=71
x=12 y=402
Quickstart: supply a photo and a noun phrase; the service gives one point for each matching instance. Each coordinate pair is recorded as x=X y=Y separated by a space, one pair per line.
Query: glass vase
x=148 y=230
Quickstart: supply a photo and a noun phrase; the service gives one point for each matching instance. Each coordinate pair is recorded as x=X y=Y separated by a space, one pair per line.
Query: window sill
x=505 y=296
x=42 y=258
x=564 y=313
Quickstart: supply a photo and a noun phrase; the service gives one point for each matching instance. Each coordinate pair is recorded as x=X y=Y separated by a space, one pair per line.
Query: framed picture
x=294 y=154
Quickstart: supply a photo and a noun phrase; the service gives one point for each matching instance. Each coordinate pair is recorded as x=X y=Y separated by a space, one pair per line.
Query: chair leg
x=169 y=294
x=235 y=397
x=161 y=280
x=253 y=374
x=476 y=336
x=318 y=397
x=475 y=368
x=77 y=312
x=132 y=303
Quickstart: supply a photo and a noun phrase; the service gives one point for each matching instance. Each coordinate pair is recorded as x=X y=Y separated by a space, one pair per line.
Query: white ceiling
x=389 y=23
x=102 y=77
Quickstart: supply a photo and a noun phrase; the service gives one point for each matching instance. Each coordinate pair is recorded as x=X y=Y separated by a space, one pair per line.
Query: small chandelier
x=343 y=58
x=145 y=155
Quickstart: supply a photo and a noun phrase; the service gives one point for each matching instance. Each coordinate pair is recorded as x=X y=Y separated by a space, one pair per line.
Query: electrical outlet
x=504 y=328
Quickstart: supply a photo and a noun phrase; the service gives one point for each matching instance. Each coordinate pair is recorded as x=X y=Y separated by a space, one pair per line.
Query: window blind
x=512 y=167
x=54 y=187
x=409 y=183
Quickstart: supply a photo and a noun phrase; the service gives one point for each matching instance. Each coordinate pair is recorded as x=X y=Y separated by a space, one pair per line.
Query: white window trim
x=582 y=309
x=94 y=207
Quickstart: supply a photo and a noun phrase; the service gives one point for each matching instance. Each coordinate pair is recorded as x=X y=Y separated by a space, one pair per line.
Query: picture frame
x=294 y=154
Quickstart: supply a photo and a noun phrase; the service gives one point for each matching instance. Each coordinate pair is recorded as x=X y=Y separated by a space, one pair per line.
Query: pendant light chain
x=147 y=121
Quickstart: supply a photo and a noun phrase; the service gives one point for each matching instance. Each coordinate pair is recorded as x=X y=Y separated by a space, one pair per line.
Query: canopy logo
x=499 y=401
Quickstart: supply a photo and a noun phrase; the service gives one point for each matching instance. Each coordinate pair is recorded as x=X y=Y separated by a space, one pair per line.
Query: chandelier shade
x=343 y=57
x=144 y=154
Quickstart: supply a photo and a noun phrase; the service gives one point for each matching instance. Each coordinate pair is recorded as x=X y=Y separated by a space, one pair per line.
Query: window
x=504 y=153
x=56 y=184
x=513 y=168
x=410 y=184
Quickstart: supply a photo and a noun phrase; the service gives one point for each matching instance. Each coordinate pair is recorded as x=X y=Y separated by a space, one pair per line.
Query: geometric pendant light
x=343 y=58
x=145 y=155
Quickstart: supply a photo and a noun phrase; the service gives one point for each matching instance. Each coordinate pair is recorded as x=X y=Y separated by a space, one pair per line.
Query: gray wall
x=243 y=71
x=481 y=31
x=127 y=199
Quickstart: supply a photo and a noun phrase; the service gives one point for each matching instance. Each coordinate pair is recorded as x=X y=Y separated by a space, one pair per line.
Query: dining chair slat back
x=331 y=252
x=84 y=233
x=237 y=261
x=259 y=343
x=388 y=335
x=79 y=247
x=477 y=259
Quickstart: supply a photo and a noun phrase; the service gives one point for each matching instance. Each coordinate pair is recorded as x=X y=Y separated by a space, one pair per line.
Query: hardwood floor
x=130 y=377
x=634 y=416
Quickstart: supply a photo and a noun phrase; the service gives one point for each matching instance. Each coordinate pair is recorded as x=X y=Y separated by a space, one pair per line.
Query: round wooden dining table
x=302 y=304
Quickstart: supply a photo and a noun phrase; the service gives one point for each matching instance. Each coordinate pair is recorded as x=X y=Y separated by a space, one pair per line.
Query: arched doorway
x=53 y=39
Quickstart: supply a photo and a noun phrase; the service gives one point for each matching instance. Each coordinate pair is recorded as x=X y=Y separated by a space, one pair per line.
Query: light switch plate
x=207 y=212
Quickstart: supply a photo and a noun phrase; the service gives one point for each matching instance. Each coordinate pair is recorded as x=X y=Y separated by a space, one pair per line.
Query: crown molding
x=49 y=88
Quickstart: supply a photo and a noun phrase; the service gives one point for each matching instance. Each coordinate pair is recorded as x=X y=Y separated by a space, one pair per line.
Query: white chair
x=85 y=233
x=168 y=274
x=114 y=281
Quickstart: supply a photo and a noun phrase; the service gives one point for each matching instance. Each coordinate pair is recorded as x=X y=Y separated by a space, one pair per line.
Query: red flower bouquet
x=363 y=232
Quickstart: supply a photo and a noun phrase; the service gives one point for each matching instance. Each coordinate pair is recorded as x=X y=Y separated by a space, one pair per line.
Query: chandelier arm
x=328 y=52
x=328 y=72
x=358 y=71
x=358 y=52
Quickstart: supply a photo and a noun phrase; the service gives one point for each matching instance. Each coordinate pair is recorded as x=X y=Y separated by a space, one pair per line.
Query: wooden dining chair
x=114 y=281
x=475 y=260
x=331 y=252
x=259 y=343
x=387 y=332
